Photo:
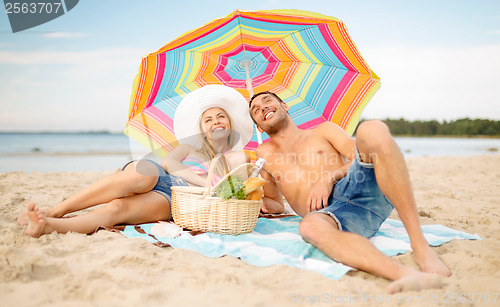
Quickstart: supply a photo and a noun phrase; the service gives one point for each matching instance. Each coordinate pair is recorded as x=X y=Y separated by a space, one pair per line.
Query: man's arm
x=273 y=199
x=344 y=144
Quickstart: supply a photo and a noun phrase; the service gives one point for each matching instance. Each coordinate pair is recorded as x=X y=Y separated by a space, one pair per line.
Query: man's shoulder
x=265 y=148
x=327 y=127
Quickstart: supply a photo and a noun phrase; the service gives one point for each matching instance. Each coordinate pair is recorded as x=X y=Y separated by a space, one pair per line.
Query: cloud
x=68 y=87
x=436 y=83
x=64 y=35
x=494 y=31
x=27 y=83
x=92 y=89
x=107 y=57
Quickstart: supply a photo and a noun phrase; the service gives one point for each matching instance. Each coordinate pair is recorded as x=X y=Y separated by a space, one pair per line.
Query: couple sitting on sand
x=354 y=184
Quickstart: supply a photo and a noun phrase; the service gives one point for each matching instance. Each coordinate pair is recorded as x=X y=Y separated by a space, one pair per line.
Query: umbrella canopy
x=308 y=59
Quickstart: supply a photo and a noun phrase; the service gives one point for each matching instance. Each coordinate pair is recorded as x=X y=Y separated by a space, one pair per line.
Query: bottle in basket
x=253 y=190
x=257 y=168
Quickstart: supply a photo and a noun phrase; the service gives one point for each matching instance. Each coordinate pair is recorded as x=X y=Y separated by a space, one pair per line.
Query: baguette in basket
x=252 y=184
x=233 y=187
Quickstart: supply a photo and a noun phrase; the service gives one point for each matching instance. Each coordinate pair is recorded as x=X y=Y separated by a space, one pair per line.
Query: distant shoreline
x=121 y=133
x=443 y=136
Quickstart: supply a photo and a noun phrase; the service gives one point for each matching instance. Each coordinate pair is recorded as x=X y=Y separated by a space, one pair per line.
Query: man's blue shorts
x=356 y=203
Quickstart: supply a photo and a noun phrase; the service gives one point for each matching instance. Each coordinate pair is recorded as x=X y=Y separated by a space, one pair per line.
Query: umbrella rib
x=283 y=38
x=248 y=79
x=308 y=32
x=211 y=57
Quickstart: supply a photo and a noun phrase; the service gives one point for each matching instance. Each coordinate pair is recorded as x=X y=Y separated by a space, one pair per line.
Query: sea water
x=65 y=152
x=439 y=146
x=70 y=152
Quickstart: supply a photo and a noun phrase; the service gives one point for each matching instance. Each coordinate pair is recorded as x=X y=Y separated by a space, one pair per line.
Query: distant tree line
x=459 y=127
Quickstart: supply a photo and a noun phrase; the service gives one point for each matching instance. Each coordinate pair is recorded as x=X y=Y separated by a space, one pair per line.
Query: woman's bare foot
x=429 y=262
x=415 y=282
x=36 y=222
x=23 y=219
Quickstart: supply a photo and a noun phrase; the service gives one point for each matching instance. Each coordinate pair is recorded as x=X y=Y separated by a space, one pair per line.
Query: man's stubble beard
x=281 y=125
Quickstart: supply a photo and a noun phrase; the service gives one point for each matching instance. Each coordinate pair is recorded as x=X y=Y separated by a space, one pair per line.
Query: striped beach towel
x=277 y=241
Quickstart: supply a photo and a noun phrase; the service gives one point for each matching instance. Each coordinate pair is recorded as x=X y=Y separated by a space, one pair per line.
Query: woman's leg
x=136 y=209
x=137 y=178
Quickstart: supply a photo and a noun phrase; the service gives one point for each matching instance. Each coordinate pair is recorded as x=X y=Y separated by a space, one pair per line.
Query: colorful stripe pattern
x=278 y=242
x=308 y=59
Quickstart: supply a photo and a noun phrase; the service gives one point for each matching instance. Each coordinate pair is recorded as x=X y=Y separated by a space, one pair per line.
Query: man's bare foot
x=36 y=222
x=429 y=262
x=23 y=219
x=415 y=282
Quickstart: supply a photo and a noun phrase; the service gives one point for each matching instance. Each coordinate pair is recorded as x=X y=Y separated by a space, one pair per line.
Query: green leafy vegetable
x=231 y=188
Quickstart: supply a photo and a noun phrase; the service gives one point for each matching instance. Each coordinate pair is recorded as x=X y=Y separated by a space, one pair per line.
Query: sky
x=436 y=59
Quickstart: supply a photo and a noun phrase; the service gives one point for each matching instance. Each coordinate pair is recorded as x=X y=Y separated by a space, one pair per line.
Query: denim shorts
x=356 y=202
x=165 y=181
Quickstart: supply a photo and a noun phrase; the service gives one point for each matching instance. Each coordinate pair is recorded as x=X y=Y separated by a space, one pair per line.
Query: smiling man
x=344 y=189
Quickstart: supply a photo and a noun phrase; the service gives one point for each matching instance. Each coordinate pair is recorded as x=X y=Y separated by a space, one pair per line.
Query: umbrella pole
x=250 y=91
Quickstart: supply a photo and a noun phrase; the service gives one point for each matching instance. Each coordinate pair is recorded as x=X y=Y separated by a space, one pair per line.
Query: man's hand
x=270 y=206
x=319 y=194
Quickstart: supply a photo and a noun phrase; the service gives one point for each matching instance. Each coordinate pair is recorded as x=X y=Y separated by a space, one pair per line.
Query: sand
x=107 y=269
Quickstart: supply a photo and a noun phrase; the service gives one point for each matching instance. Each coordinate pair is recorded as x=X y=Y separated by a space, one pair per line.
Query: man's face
x=268 y=112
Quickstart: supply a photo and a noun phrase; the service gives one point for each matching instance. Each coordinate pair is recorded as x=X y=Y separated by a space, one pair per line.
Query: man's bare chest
x=299 y=162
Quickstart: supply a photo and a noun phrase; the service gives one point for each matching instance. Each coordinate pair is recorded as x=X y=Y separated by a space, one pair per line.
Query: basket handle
x=211 y=172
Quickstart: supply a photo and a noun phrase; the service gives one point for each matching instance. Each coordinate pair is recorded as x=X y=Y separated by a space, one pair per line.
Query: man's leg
x=376 y=145
x=358 y=252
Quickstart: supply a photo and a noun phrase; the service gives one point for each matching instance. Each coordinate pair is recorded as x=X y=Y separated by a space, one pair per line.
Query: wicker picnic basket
x=196 y=208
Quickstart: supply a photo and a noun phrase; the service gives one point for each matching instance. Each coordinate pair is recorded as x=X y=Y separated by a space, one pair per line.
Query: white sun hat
x=198 y=101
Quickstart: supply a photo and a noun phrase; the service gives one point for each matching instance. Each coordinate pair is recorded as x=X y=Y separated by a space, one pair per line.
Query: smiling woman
x=147 y=184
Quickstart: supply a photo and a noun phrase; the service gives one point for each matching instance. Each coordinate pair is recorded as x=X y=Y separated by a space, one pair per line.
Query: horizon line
x=106 y=131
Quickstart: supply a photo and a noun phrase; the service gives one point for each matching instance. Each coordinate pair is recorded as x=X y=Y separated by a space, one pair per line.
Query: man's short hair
x=262 y=93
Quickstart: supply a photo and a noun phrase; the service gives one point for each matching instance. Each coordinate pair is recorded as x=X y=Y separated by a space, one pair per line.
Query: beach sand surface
x=108 y=269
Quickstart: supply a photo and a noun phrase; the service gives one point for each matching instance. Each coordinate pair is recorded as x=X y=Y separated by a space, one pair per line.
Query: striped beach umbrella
x=308 y=59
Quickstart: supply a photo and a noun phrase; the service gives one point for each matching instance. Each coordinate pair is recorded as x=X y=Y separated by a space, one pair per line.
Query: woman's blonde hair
x=206 y=149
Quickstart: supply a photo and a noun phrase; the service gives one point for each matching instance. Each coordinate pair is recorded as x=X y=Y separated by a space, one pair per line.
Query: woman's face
x=215 y=123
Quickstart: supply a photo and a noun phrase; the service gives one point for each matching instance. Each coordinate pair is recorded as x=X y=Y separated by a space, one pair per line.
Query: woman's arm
x=172 y=164
x=236 y=158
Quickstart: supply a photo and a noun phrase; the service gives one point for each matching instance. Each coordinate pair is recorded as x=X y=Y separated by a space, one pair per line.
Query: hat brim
x=198 y=101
